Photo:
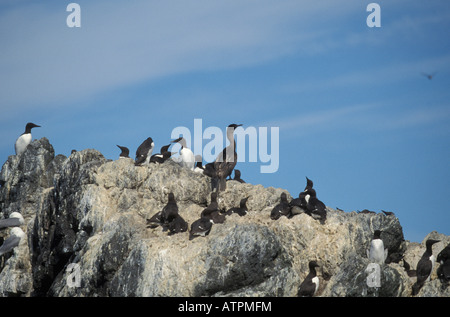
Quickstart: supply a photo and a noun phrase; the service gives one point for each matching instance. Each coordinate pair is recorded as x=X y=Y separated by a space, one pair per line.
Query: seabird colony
x=170 y=220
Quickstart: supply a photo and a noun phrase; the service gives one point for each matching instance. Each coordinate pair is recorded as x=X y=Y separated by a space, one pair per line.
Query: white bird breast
x=315 y=280
x=376 y=252
x=22 y=143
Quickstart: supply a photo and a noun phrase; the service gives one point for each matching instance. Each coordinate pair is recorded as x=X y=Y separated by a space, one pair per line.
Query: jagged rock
x=87 y=236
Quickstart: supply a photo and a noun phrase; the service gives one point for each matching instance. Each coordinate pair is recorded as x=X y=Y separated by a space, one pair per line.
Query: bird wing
x=423 y=270
x=9 y=244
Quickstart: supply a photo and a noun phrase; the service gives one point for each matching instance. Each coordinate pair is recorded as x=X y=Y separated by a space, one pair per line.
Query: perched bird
x=155 y=220
x=377 y=253
x=200 y=227
x=299 y=202
x=366 y=211
x=425 y=266
x=144 y=152
x=178 y=224
x=225 y=161
x=314 y=207
x=407 y=267
x=15 y=220
x=237 y=176
x=242 y=210
x=15 y=237
x=198 y=164
x=212 y=211
x=281 y=209
x=310 y=285
x=125 y=152
x=388 y=213
x=170 y=210
x=444 y=268
x=209 y=170
x=25 y=138
x=186 y=155
x=162 y=156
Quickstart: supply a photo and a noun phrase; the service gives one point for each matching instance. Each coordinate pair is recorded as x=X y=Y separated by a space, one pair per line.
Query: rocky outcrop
x=87 y=236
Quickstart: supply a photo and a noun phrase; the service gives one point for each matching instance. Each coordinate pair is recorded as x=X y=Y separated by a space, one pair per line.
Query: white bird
x=25 y=138
x=15 y=237
x=187 y=157
x=377 y=253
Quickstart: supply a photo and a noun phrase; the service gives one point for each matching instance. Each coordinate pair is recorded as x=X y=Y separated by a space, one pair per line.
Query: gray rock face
x=87 y=236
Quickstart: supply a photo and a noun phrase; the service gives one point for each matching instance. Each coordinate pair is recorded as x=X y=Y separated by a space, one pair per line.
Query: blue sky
x=355 y=113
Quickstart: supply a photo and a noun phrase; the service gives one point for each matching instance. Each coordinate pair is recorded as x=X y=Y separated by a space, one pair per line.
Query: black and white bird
x=310 y=284
x=242 y=210
x=225 y=162
x=163 y=156
x=163 y=216
x=377 y=253
x=169 y=218
x=425 y=266
x=281 y=209
x=16 y=235
x=144 y=152
x=125 y=152
x=15 y=220
x=199 y=168
x=25 y=138
x=315 y=207
x=178 y=224
x=200 y=227
x=212 y=211
x=444 y=268
x=187 y=157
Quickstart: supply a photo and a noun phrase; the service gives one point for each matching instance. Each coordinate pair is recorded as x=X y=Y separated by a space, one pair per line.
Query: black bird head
x=125 y=151
x=29 y=126
x=376 y=234
x=430 y=242
x=312 y=265
x=309 y=183
x=234 y=125
x=243 y=202
x=171 y=197
x=177 y=140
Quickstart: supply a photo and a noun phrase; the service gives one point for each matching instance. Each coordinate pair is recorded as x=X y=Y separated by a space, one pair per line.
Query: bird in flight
x=429 y=76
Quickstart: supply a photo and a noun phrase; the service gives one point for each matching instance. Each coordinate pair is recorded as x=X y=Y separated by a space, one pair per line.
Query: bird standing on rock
x=281 y=209
x=425 y=266
x=225 y=162
x=310 y=284
x=144 y=152
x=25 y=138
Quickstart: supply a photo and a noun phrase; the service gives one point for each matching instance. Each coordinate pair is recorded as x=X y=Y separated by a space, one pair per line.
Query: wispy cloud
x=371 y=117
x=43 y=62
